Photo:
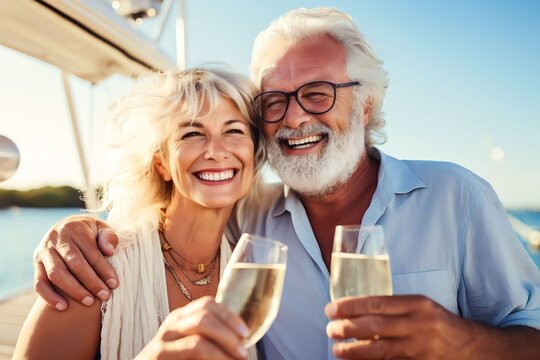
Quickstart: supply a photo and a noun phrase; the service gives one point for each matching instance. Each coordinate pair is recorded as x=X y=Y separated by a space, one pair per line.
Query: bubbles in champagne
x=359 y=275
x=253 y=291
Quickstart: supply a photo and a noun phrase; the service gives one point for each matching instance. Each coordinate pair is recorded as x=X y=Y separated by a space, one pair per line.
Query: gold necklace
x=199 y=282
x=182 y=287
x=201 y=267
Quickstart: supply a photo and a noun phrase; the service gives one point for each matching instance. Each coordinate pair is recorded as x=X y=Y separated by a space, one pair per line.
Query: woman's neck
x=194 y=231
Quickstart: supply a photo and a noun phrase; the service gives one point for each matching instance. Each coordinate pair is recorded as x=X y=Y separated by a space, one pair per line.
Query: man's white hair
x=362 y=64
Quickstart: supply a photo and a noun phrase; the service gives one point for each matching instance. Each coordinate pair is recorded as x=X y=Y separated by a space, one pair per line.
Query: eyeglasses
x=317 y=97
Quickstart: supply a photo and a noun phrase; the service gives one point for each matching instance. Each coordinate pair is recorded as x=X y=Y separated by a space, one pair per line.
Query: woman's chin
x=218 y=202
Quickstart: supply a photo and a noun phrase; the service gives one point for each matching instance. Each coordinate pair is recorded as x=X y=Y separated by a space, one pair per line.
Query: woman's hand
x=202 y=329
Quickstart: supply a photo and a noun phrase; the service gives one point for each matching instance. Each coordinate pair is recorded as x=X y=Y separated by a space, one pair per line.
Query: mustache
x=285 y=133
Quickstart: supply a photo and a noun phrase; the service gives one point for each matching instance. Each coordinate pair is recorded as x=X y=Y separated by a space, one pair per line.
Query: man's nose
x=216 y=149
x=295 y=115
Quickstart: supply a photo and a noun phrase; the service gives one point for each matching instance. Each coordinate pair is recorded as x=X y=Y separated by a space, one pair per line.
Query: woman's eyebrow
x=188 y=123
x=233 y=121
x=198 y=124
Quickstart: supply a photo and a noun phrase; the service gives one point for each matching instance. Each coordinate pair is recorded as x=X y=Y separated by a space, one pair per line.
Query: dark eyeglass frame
x=295 y=94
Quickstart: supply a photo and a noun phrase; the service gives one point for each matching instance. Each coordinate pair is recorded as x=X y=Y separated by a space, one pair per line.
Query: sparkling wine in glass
x=252 y=283
x=360 y=265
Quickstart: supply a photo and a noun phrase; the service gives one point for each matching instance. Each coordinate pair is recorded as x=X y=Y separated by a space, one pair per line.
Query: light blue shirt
x=448 y=238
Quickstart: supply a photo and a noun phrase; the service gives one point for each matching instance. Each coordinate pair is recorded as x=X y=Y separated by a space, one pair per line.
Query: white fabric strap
x=132 y=315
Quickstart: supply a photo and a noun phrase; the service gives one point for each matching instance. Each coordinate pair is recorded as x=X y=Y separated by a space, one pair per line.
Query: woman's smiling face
x=211 y=159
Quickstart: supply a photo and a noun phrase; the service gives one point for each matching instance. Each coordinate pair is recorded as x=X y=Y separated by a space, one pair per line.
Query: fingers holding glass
x=253 y=282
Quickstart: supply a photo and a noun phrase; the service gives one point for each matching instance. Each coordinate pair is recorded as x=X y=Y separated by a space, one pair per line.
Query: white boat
x=90 y=40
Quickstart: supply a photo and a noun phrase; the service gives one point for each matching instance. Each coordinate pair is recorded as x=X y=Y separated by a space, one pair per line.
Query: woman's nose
x=216 y=150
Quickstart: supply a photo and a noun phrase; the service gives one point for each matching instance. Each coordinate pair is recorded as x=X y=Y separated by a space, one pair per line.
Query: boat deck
x=12 y=314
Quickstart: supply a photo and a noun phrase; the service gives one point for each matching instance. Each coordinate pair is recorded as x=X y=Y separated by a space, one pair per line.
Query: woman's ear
x=161 y=167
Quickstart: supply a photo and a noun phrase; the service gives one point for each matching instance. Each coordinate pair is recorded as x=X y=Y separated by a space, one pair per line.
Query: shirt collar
x=395 y=176
x=285 y=201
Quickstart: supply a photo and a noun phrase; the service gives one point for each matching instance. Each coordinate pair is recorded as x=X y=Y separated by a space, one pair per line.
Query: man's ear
x=368 y=108
x=159 y=163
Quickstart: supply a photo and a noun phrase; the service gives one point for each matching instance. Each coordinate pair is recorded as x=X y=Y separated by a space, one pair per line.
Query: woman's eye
x=191 y=134
x=235 y=131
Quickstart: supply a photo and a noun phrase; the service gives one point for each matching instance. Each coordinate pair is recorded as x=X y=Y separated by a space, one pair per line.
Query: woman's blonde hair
x=140 y=126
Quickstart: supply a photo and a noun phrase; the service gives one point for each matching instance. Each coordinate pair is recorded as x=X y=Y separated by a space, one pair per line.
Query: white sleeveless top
x=132 y=315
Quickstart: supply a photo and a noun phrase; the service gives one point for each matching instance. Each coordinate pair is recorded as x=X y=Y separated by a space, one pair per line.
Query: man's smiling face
x=312 y=153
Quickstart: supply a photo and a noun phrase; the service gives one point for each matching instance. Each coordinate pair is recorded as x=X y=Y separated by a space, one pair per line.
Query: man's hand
x=71 y=256
x=406 y=326
x=202 y=329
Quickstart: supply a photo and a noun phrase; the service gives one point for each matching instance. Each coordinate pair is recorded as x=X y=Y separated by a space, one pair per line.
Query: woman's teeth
x=216 y=176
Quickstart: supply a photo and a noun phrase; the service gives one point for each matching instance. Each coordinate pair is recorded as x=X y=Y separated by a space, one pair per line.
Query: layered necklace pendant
x=182 y=287
x=200 y=282
x=200 y=268
x=204 y=281
x=166 y=247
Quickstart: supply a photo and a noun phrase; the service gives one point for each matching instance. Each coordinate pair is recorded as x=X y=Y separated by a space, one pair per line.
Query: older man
x=467 y=289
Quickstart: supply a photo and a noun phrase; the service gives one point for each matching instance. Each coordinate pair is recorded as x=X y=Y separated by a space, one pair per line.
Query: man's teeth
x=216 y=176
x=305 y=142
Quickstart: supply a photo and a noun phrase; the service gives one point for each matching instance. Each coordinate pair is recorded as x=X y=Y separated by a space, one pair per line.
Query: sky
x=464 y=87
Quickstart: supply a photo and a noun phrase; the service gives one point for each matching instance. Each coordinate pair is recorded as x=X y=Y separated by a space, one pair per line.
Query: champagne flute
x=252 y=283
x=360 y=265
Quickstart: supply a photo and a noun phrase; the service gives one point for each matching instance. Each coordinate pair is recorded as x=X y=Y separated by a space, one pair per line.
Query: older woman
x=186 y=151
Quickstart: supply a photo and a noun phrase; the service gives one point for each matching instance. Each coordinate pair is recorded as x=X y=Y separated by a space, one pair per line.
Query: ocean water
x=531 y=218
x=21 y=230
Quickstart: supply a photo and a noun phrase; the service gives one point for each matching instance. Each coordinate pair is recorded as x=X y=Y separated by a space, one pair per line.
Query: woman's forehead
x=211 y=121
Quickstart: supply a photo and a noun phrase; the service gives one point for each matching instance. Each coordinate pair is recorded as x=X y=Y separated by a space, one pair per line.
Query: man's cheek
x=269 y=130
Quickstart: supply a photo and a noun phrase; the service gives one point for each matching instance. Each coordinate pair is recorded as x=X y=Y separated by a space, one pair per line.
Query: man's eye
x=315 y=96
x=273 y=103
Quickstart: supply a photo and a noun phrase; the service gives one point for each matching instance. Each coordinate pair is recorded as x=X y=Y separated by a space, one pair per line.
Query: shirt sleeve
x=501 y=283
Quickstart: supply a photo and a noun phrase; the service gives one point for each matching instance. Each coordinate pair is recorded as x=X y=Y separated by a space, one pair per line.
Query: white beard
x=319 y=174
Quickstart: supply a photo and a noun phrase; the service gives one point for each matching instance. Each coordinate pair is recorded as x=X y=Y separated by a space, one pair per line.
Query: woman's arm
x=51 y=334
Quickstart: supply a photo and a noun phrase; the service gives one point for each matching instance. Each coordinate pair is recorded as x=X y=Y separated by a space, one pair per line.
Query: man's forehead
x=281 y=79
x=292 y=64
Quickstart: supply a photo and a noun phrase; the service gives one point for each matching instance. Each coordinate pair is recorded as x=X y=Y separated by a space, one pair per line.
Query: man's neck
x=344 y=206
